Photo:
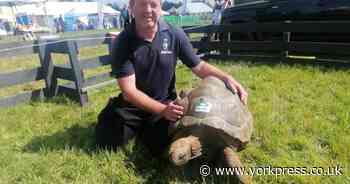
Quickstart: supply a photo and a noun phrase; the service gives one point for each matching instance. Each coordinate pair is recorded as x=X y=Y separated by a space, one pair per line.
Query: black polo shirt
x=153 y=63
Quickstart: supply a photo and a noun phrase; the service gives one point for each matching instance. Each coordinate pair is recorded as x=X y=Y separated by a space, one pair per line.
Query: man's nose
x=148 y=8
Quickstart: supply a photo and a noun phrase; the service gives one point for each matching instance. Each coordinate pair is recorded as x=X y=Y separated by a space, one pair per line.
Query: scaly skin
x=184 y=149
x=231 y=159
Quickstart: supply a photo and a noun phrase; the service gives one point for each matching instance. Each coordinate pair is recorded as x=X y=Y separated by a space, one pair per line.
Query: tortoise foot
x=231 y=159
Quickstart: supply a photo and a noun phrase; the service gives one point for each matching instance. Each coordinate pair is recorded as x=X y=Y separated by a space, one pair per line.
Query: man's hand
x=204 y=69
x=173 y=112
x=237 y=88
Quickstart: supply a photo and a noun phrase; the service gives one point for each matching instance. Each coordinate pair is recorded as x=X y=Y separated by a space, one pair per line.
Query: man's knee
x=156 y=137
x=111 y=131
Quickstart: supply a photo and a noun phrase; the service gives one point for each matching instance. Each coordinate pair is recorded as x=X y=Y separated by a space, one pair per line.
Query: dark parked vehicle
x=291 y=10
x=278 y=10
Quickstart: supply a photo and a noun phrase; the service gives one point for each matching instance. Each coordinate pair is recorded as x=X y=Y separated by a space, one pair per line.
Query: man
x=144 y=61
x=217 y=11
x=124 y=15
x=61 y=23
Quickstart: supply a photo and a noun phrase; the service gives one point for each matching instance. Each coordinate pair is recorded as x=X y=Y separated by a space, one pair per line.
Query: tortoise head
x=182 y=100
x=184 y=149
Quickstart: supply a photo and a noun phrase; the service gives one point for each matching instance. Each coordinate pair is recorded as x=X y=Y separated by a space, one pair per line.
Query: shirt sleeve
x=185 y=50
x=121 y=64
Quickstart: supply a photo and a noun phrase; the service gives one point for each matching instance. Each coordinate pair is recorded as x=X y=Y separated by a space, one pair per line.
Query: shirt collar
x=162 y=25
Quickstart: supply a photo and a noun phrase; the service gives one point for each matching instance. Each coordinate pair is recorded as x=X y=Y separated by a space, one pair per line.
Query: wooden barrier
x=280 y=42
x=336 y=54
x=50 y=73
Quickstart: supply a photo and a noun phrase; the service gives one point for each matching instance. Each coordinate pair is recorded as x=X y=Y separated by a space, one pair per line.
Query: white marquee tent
x=13 y=4
x=60 y=8
x=19 y=2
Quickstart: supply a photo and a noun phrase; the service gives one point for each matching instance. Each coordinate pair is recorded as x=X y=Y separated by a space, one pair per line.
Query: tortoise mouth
x=180 y=158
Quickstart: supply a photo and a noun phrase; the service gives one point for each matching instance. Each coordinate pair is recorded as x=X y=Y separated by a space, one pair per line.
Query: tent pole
x=13 y=13
x=46 y=17
x=100 y=14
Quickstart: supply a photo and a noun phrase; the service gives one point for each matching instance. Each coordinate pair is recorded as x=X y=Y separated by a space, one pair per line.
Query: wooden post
x=223 y=39
x=78 y=72
x=228 y=41
x=48 y=69
x=286 y=40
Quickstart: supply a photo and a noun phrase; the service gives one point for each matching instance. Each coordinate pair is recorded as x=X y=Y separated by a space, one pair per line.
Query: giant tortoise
x=215 y=126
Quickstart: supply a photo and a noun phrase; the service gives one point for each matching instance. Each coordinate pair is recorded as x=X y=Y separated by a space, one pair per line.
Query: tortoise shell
x=212 y=105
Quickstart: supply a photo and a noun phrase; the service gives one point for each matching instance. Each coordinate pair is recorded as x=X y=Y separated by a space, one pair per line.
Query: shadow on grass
x=152 y=169
x=74 y=137
x=79 y=137
x=60 y=99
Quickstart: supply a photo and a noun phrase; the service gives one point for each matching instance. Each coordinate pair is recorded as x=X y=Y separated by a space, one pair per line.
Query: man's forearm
x=144 y=102
x=204 y=69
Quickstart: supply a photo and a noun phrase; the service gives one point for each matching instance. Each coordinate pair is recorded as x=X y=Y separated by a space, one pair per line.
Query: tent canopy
x=61 y=8
x=91 y=8
x=197 y=7
x=19 y=2
x=13 y=5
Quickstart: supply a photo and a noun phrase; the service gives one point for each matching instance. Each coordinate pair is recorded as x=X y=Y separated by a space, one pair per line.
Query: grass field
x=301 y=119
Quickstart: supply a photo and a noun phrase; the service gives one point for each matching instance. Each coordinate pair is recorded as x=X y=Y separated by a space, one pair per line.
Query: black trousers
x=119 y=122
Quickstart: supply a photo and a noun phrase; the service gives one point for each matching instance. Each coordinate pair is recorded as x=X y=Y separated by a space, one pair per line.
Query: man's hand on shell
x=235 y=87
x=173 y=112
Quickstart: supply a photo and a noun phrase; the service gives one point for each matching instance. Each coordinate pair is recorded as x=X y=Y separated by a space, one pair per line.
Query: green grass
x=301 y=119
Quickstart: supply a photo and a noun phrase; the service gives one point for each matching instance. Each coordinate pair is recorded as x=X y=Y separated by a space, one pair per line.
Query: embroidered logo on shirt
x=165 y=47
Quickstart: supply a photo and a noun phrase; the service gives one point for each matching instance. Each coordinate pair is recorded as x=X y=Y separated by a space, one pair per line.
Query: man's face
x=146 y=12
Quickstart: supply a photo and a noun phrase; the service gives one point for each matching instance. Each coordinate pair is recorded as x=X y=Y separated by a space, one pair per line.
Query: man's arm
x=204 y=69
x=136 y=97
